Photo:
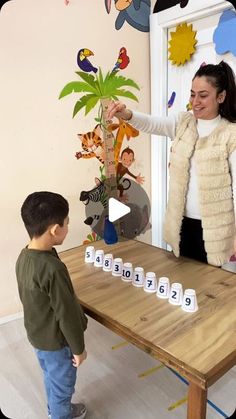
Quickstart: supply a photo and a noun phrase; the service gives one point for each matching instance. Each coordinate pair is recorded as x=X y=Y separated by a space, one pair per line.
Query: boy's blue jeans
x=59 y=380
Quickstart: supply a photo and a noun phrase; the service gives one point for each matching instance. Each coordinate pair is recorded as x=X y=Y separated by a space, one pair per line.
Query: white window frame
x=159 y=25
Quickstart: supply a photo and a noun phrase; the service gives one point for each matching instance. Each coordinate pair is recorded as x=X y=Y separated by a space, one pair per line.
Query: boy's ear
x=53 y=229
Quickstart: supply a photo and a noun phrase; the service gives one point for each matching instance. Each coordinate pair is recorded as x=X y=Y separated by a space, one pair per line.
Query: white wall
x=39 y=41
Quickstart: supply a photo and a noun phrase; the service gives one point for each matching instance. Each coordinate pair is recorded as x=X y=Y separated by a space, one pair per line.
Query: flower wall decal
x=182 y=44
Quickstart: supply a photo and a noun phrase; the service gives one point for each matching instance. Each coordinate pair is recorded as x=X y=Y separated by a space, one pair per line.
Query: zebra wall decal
x=97 y=194
x=95 y=214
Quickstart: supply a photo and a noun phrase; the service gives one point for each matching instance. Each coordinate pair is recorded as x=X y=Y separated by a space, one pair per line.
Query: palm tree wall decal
x=97 y=87
x=99 y=90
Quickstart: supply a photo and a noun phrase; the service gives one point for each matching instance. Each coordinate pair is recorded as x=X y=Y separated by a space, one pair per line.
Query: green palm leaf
x=123 y=81
x=98 y=87
x=90 y=79
x=124 y=93
x=116 y=82
x=109 y=76
x=83 y=103
x=77 y=87
x=100 y=81
x=91 y=103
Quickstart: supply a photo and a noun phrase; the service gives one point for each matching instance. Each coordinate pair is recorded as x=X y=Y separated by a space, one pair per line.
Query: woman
x=200 y=217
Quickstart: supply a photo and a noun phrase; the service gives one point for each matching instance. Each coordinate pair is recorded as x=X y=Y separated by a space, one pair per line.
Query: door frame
x=159 y=25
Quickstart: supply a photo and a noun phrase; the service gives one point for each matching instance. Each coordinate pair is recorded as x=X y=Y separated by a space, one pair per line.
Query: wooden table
x=200 y=346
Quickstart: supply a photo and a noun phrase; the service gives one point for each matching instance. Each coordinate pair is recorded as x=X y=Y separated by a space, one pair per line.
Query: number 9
x=188 y=301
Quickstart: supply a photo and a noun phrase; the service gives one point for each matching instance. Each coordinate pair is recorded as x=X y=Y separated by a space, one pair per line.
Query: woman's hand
x=119 y=110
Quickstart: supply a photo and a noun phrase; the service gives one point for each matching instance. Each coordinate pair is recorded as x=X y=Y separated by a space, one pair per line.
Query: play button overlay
x=134 y=221
x=116 y=209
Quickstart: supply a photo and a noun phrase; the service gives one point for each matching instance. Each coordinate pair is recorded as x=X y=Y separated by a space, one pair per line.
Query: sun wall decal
x=182 y=44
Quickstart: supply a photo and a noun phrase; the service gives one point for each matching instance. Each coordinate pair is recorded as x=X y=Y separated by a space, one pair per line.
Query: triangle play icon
x=116 y=209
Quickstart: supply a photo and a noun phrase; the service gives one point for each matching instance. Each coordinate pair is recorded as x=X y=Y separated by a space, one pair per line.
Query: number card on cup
x=150 y=282
x=117 y=267
x=138 y=277
x=190 y=301
x=89 y=254
x=163 y=288
x=127 y=272
x=98 y=260
x=176 y=294
x=107 y=262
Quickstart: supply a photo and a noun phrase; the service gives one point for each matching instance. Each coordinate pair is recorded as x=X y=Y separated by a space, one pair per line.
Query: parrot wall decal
x=166 y=4
x=134 y=12
x=122 y=61
x=83 y=62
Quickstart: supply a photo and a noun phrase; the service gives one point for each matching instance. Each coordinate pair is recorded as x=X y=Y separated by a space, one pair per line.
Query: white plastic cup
x=138 y=277
x=163 y=288
x=190 y=301
x=150 y=282
x=89 y=254
x=98 y=259
x=117 y=267
x=127 y=272
x=107 y=262
x=176 y=294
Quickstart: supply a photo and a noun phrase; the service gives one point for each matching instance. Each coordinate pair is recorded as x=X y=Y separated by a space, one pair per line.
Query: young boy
x=53 y=317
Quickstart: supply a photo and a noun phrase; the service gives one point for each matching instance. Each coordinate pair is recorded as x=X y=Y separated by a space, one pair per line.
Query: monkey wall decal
x=126 y=160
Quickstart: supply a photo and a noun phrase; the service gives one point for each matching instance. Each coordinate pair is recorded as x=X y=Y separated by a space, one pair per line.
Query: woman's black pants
x=191 y=240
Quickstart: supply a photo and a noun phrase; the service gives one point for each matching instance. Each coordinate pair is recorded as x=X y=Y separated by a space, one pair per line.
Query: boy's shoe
x=78 y=411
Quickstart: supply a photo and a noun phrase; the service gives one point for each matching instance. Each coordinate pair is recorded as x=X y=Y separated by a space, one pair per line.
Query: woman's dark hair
x=222 y=77
x=42 y=209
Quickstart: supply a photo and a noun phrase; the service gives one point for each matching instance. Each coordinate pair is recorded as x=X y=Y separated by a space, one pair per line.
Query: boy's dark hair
x=42 y=209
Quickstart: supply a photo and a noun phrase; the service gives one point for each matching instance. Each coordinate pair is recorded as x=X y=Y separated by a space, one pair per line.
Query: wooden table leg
x=197 y=400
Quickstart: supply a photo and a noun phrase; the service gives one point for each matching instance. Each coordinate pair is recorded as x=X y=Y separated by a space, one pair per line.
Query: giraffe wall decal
x=124 y=129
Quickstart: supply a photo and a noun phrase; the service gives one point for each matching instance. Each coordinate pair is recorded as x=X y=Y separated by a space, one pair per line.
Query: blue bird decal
x=134 y=12
x=83 y=62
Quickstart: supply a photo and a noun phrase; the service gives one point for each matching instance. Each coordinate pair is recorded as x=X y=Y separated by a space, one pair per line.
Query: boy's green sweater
x=53 y=316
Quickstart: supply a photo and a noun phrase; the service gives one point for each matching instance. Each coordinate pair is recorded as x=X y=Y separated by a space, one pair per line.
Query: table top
x=201 y=346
